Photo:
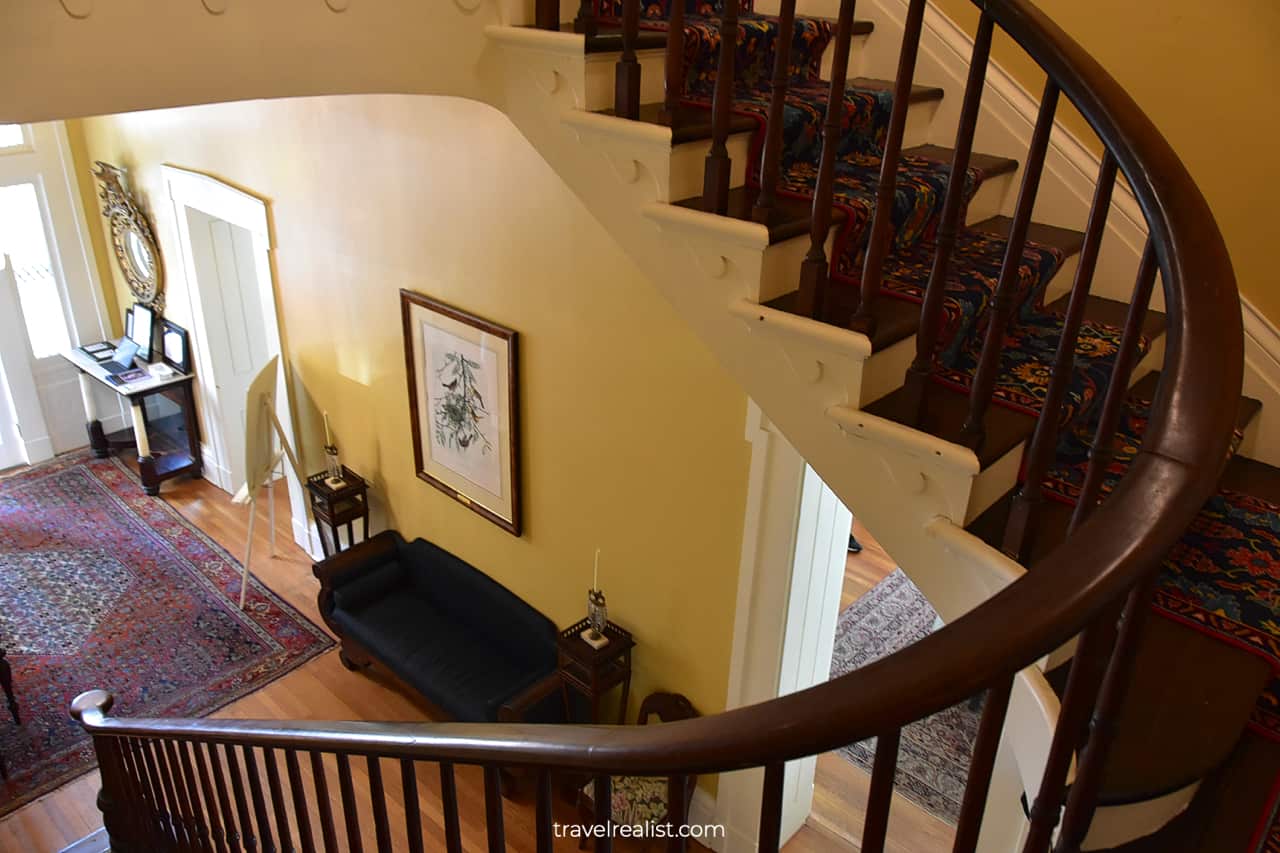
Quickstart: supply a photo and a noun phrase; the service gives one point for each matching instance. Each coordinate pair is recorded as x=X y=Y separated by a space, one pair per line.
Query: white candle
x=595 y=576
x=328 y=436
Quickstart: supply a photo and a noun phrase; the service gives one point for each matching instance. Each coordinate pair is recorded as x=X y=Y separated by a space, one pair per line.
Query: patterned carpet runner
x=920 y=189
x=103 y=587
x=933 y=758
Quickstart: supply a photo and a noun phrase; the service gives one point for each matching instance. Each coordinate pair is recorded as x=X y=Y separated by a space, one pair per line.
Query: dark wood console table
x=180 y=453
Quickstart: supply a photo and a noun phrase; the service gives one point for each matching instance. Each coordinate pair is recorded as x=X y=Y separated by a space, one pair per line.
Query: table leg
x=193 y=430
x=626 y=694
x=6 y=683
x=97 y=438
x=146 y=462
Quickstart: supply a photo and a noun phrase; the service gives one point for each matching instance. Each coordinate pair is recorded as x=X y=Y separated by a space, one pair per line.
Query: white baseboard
x=307 y=538
x=702 y=812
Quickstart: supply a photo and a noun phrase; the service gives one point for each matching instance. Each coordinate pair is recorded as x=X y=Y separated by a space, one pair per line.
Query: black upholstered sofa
x=446 y=630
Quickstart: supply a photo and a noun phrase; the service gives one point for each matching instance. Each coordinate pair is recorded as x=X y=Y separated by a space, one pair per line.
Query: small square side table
x=338 y=508
x=594 y=672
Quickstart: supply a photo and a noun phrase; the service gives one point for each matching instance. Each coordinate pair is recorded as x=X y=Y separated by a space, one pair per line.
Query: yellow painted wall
x=632 y=434
x=1206 y=74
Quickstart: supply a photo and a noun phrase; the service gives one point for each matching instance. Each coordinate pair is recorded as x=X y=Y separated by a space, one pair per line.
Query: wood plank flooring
x=841 y=787
x=323 y=690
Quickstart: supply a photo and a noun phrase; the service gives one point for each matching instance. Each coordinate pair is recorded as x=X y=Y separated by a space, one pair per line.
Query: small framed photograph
x=175 y=346
x=463 y=406
x=140 y=327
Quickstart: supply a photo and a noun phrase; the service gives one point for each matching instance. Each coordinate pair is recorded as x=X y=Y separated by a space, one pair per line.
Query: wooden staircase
x=1047 y=615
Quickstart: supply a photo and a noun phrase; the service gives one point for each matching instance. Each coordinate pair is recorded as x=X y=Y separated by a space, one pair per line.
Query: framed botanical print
x=463 y=406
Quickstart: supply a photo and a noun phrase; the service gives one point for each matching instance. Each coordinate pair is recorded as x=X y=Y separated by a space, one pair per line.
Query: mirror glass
x=139 y=255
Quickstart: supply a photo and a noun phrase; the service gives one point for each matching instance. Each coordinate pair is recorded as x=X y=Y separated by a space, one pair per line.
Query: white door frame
x=45 y=160
x=794 y=542
x=187 y=189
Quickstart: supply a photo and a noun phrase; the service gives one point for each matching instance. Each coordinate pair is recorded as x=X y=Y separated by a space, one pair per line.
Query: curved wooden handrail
x=1118 y=546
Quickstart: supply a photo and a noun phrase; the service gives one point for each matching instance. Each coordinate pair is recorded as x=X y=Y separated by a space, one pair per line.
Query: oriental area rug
x=933 y=756
x=104 y=587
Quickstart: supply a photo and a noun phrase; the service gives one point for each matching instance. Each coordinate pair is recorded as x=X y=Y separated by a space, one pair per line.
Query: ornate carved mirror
x=131 y=238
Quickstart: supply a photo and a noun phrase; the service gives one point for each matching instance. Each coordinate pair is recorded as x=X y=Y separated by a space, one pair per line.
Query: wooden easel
x=256 y=481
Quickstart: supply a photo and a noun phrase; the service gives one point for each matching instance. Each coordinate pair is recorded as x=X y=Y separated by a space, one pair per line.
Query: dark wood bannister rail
x=219 y=784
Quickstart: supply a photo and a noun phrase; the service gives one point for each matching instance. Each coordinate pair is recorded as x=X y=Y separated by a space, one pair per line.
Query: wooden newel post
x=90 y=709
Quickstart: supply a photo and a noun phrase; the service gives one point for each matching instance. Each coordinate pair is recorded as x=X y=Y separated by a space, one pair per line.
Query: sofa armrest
x=343 y=566
x=515 y=708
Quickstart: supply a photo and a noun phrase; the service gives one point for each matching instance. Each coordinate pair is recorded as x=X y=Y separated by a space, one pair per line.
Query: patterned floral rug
x=101 y=586
x=933 y=757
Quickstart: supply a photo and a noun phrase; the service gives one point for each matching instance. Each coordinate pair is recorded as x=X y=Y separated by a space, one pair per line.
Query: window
x=11 y=136
x=22 y=238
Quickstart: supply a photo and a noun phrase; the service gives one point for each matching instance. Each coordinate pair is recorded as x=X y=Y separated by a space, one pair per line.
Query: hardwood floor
x=323 y=690
x=841 y=787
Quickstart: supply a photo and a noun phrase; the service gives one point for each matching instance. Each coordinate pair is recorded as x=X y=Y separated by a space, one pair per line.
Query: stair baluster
x=449 y=805
x=279 y=807
x=349 y=810
x=300 y=811
x=674 y=66
x=585 y=22
x=811 y=300
x=981 y=765
x=1103 y=448
x=142 y=814
x=953 y=203
x=770 y=159
x=378 y=797
x=542 y=812
x=412 y=808
x=602 y=800
x=1026 y=503
x=677 y=811
x=716 y=178
x=192 y=793
x=258 y=800
x=248 y=837
x=493 y=810
x=320 y=780
x=177 y=814
x=1083 y=681
x=879 y=799
x=984 y=378
x=546 y=14
x=1083 y=799
x=881 y=235
x=224 y=799
x=771 y=808
x=626 y=84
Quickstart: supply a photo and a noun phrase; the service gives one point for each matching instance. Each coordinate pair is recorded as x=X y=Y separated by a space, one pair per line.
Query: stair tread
x=1099 y=309
x=689 y=124
x=1066 y=240
x=920 y=94
x=989 y=164
x=791 y=217
x=945 y=414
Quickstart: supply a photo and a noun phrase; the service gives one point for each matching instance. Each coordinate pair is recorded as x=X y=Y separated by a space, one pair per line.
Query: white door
x=236 y=335
x=50 y=298
x=11 y=450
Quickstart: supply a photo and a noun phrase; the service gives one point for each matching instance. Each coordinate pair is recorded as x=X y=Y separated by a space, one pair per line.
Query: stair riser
x=857 y=58
x=780 y=270
x=601 y=76
x=689 y=163
x=993 y=483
